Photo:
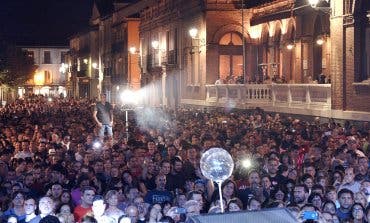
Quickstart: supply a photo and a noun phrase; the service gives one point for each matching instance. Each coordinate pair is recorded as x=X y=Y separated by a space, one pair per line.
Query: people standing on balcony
x=103 y=116
x=219 y=81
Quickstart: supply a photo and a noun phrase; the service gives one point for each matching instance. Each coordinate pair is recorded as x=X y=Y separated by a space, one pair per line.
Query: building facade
x=181 y=47
x=51 y=75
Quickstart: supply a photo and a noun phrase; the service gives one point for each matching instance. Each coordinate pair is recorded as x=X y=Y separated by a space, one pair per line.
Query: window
x=48 y=78
x=31 y=54
x=231 y=39
x=231 y=56
x=63 y=55
x=47 y=58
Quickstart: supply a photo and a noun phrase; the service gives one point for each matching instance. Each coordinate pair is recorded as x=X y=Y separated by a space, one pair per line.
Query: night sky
x=43 y=22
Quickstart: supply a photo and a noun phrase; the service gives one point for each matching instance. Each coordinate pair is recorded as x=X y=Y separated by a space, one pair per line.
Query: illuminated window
x=231 y=39
x=231 y=56
x=48 y=77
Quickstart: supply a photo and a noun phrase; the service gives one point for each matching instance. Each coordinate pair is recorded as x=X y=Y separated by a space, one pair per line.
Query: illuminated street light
x=94 y=65
x=290 y=46
x=193 y=32
x=313 y=3
x=133 y=50
x=320 y=41
x=86 y=61
x=128 y=98
x=155 y=44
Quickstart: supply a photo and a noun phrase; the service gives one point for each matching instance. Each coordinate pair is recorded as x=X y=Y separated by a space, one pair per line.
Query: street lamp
x=94 y=65
x=193 y=32
x=128 y=98
x=290 y=46
x=314 y=4
x=155 y=44
x=320 y=40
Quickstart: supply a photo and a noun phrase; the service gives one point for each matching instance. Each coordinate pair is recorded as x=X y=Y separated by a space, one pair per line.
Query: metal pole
x=126 y=113
x=244 y=76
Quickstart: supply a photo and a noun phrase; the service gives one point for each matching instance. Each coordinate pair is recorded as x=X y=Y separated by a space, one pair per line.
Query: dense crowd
x=54 y=165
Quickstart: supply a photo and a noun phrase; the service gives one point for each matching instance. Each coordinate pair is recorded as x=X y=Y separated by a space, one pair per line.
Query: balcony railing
x=287 y=95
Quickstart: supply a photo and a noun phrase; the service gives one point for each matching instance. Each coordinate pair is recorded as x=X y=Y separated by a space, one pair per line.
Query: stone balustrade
x=305 y=96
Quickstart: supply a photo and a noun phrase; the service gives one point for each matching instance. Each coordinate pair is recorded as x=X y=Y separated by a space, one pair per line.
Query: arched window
x=231 y=56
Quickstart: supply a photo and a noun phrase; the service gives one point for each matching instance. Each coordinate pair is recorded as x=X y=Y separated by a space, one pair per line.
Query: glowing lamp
x=290 y=46
x=155 y=44
x=313 y=3
x=193 y=32
x=133 y=49
x=94 y=65
x=320 y=41
x=39 y=78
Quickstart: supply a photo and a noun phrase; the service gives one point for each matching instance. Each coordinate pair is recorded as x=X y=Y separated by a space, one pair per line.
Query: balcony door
x=231 y=56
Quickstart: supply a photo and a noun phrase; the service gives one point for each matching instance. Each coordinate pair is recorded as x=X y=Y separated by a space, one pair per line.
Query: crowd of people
x=57 y=166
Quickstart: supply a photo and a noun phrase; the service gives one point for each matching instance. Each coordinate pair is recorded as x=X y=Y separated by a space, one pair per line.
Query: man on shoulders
x=103 y=116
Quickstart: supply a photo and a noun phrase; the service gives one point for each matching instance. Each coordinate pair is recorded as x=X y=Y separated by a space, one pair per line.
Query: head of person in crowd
x=329 y=207
x=30 y=207
x=46 y=206
x=12 y=219
x=345 y=198
x=228 y=189
x=132 y=212
x=316 y=200
x=300 y=194
x=358 y=213
x=88 y=219
x=192 y=208
x=87 y=196
x=235 y=204
x=253 y=204
x=198 y=197
x=98 y=206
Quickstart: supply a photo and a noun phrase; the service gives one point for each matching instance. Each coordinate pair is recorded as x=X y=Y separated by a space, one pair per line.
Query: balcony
x=308 y=99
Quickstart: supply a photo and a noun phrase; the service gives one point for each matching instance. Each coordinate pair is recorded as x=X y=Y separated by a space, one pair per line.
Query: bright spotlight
x=50 y=99
x=247 y=163
x=97 y=145
x=128 y=97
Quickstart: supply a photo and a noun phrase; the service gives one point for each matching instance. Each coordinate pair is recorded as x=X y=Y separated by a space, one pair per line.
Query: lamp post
x=127 y=98
x=155 y=45
x=194 y=34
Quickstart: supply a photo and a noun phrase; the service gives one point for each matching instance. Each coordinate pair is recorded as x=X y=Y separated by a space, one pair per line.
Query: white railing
x=287 y=95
